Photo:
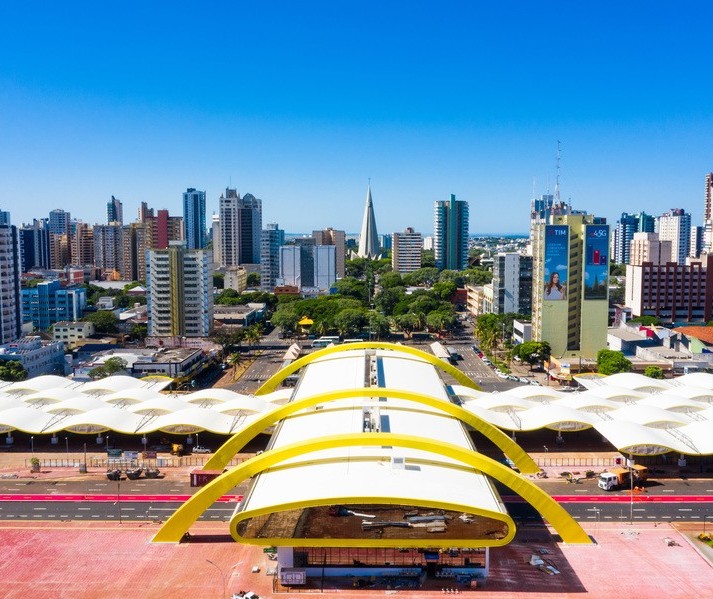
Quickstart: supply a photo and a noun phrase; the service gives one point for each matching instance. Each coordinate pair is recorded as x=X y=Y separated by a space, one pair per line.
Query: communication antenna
x=557 y=184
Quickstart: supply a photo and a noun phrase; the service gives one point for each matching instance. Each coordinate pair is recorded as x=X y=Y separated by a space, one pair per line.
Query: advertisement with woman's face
x=556 y=262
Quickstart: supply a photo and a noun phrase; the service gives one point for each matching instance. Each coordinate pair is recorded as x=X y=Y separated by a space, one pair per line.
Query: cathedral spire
x=368 y=240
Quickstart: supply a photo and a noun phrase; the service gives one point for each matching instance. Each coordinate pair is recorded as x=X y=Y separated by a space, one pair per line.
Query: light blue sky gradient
x=300 y=103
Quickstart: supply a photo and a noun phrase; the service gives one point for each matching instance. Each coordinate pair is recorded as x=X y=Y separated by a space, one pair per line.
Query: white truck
x=618 y=478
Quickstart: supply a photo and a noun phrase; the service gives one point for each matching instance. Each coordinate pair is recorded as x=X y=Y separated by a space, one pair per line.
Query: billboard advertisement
x=556 y=262
x=596 y=262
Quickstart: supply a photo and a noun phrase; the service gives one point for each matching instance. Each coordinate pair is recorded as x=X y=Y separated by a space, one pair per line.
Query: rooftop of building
x=702 y=333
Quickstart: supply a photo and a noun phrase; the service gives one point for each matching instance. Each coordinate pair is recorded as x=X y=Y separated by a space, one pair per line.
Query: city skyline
x=469 y=99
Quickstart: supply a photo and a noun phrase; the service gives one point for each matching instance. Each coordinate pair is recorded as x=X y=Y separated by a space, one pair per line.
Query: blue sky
x=301 y=103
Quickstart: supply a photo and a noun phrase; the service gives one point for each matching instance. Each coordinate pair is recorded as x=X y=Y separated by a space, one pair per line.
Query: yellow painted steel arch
x=227 y=451
x=272 y=383
x=179 y=523
x=352 y=542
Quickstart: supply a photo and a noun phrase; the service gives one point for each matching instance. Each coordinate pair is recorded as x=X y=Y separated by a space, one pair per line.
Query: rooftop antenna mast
x=557 y=184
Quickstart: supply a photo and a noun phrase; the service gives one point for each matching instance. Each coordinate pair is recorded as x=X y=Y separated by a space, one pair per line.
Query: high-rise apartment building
x=109 y=250
x=60 y=222
x=10 y=305
x=647 y=247
x=512 y=283
x=671 y=292
x=406 y=251
x=194 y=218
x=675 y=226
x=215 y=236
x=308 y=267
x=336 y=238
x=60 y=251
x=35 y=245
x=114 y=211
x=626 y=227
x=368 y=238
x=450 y=232
x=164 y=227
x=4 y=217
x=695 y=245
x=240 y=228
x=708 y=215
x=83 y=244
x=570 y=305
x=272 y=239
x=179 y=285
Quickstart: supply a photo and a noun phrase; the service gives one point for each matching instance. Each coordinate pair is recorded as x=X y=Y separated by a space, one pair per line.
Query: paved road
x=107 y=507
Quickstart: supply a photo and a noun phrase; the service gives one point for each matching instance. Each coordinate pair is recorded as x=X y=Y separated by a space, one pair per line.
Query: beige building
x=72 y=332
x=570 y=306
x=330 y=236
x=647 y=247
x=406 y=251
x=236 y=277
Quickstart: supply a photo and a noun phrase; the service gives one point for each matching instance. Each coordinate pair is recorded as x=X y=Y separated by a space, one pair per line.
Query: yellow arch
x=352 y=542
x=272 y=383
x=179 y=523
x=227 y=451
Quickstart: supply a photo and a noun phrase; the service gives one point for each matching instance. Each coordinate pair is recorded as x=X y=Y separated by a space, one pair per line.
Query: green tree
x=253 y=279
x=440 y=322
x=646 y=321
x=351 y=287
x=390 y=279
x=654 y=372
x=350 y=321
x=227 y=338
x=617 y=270
x=286 y=320
x=139 y=331
x=252 y=334
x=234 y=360
x=444 y=290
x=104 y=321
x=379 y=325
x=111 y=366
x=12 y=370
x=386 y=300
x=533 y=352
x=428 y=259
x=478 y=276
x=407 y=323
x=612 y=362
x=218 y=280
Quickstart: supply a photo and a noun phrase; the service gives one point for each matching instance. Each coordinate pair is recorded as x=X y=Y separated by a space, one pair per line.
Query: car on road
x=524 y=380
x=476 y=349
x=502 y=375
x=200 y=449
x=535 y=383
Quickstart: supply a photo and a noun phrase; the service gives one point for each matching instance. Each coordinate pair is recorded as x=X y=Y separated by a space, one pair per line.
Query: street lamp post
x=222 y=575
x=118 y=497
x=66 y=447
x=631 y=499
x=32 y=445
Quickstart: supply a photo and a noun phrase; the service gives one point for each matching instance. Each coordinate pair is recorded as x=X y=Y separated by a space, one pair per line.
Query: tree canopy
x=12 y=370
x=104 y=321
x=612 y=362
x=654 y=372
x=111 y=366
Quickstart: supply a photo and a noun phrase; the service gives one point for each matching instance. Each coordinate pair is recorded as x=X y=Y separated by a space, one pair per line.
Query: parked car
x=535 y=383
x=200 y=449
x=502 y=375
x=512 y=377
x=524 y=380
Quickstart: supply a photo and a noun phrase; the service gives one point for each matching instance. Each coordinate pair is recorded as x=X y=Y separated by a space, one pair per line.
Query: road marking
x=695 y=517
x=127 y=509
x=95 y=515
x=639 y=509
x=64 y=516
x=685 y=509
x=39 y=508
x=668 y=490
x=84 y=509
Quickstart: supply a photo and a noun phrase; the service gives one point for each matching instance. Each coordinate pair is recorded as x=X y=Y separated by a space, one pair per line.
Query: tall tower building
x=60 y=222
x=308 y=266
x=647 y=247
x=406 y=251
x=625 y=228
x=272 y=239
x=83 y=244
x=240 y=228
x=114 y=211
x=10 y=298
x=194 y=218
x=512 y=283
x=450 y=232
x=675 y=226
x=4 y=217
x=109 y=249
x=215 y=236
x=708 y=215
x=179 y=286
x=368 y=238
x=570 y=307
x=336 y=238
x=35 y=245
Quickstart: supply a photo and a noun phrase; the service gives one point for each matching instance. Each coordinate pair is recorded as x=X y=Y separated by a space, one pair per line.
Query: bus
x=326 y=340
